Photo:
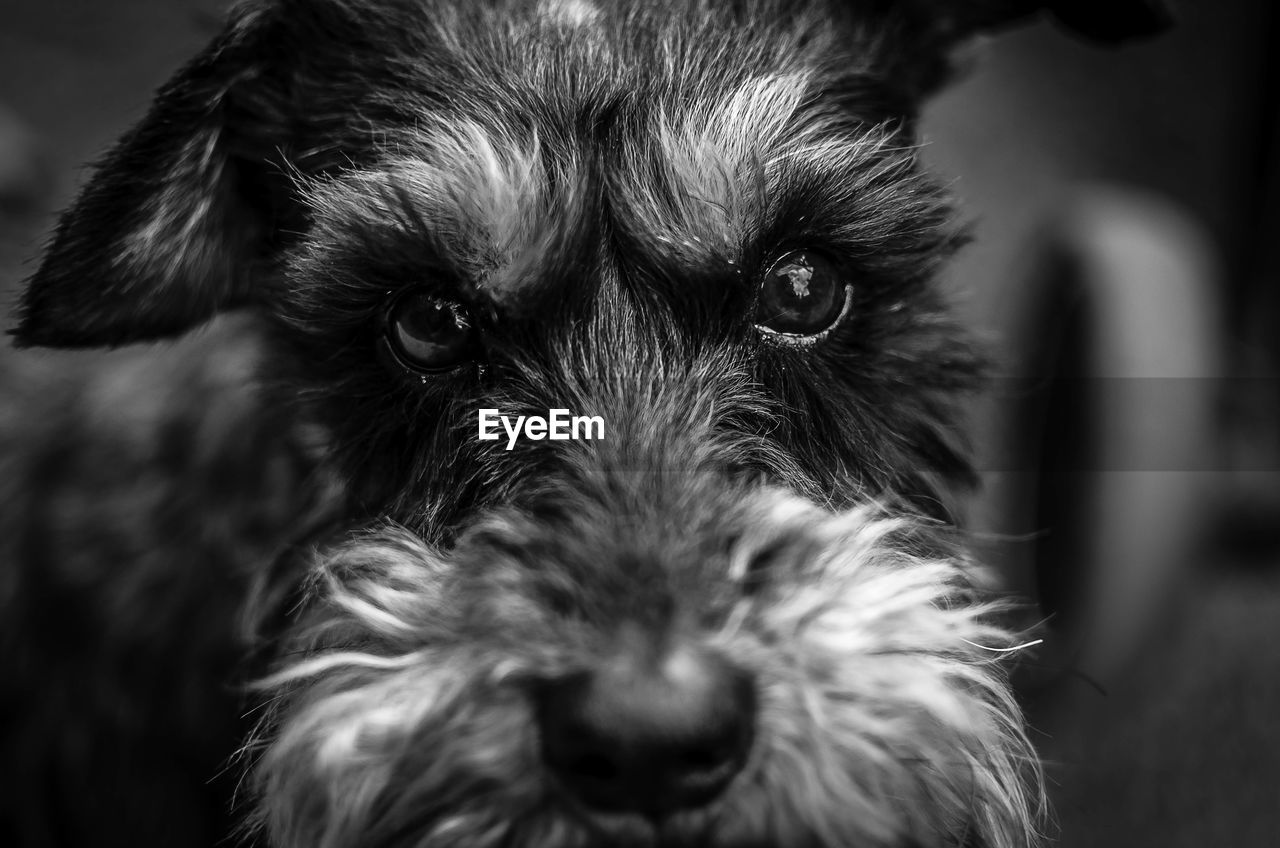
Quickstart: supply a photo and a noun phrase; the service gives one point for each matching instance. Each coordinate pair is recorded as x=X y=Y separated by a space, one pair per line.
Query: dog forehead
x=527 y=59
x=690 y=180
x=524 y=144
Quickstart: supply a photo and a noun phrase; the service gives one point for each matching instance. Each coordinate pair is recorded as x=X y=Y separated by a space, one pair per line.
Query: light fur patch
x=725 y=157
x=180 y=232
x=885 y=718
x=569 y=13
x=484 y=194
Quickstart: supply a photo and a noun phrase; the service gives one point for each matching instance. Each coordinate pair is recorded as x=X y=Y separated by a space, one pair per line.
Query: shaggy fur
x=601 y=188
x=883 y=717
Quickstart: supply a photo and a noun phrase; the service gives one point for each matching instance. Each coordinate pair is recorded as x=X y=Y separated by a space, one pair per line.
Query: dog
x=284 y=560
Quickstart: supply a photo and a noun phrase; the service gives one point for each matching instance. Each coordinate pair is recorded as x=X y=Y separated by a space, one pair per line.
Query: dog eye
x=429 y=334
x=801 y=297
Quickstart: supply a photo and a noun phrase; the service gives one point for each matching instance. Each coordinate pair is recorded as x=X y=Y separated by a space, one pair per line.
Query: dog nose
x=649 y=736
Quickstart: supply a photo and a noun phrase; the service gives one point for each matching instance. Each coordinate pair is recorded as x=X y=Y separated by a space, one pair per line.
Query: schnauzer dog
x=730 y=612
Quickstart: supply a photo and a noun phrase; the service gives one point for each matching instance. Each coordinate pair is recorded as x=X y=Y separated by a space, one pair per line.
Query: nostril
x=648 y=738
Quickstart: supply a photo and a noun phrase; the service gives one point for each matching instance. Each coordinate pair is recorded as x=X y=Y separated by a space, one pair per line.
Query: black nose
x=649 y=736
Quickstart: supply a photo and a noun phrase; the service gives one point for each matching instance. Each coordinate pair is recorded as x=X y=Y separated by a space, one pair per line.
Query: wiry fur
x=601 y=186
x=885 y=719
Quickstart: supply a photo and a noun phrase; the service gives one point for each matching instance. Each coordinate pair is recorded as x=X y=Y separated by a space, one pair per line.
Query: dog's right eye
x=429 y=334
x=801 y=298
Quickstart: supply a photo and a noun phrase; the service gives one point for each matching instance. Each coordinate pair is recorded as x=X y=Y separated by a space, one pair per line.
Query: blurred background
x=1126 y=211
x=1125 y=206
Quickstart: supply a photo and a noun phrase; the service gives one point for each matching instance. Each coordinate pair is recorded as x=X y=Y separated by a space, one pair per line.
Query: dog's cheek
x=884 y=713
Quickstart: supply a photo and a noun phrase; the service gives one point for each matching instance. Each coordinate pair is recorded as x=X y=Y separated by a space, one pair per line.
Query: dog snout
x=649 y=735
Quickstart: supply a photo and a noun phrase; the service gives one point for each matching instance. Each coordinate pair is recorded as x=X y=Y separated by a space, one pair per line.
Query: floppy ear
x=183 y=213
x=933 y=29
x=162 y=236
x=1101 y=20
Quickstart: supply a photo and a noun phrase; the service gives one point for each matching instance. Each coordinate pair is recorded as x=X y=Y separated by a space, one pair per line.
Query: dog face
x=703 y=223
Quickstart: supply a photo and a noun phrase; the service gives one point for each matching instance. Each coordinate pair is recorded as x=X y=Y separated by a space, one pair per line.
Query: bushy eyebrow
x=476 y=188
x=694 y=184
x=719 y=172
x=486 y=203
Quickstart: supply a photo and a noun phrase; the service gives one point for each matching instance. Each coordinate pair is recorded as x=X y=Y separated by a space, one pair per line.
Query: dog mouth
x=692 y=829
x=846 y=692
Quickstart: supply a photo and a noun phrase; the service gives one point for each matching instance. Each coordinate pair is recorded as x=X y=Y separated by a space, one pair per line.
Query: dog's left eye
x=801 y=297
x=429 y=334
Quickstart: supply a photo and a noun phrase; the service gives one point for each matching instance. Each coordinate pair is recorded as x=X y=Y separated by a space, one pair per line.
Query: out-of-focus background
x=1161 y=725
x=1125 y=205
x=1150 y=531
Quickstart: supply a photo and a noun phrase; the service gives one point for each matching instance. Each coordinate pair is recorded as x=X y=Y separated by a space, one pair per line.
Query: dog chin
x=405 y=711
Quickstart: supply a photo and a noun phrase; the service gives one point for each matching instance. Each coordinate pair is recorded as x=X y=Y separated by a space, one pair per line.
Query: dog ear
x=1107 y=21
x=180 y=213
x=930 y=32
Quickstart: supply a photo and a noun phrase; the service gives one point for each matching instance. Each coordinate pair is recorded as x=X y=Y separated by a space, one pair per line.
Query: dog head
x=702 y=222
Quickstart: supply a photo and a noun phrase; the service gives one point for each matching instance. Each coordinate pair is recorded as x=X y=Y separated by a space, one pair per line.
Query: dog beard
x=404 y=712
